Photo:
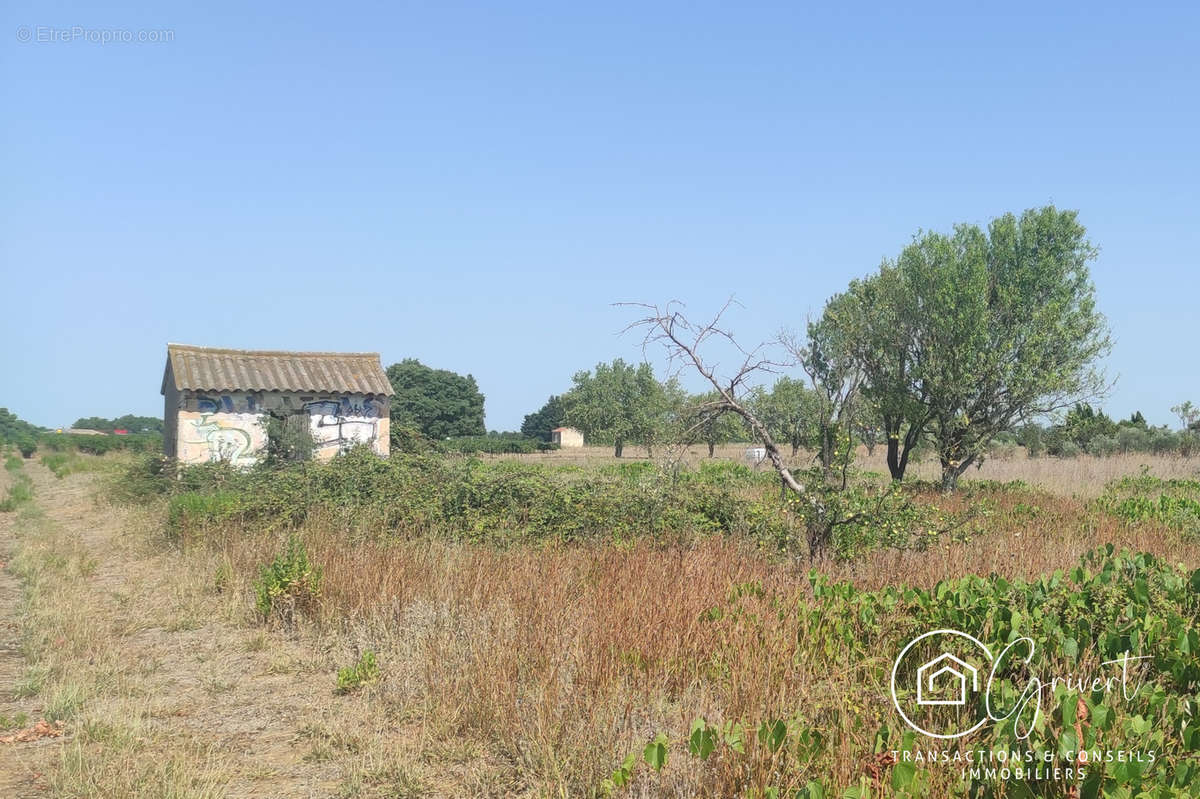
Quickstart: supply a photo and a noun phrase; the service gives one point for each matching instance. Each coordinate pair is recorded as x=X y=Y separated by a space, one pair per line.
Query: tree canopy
x=967 y=334
x=14 y=430
x=706 y=421
x=436 y=402
x=134 y=424
x=789 y=410
x=539 y=423
x=619 y=403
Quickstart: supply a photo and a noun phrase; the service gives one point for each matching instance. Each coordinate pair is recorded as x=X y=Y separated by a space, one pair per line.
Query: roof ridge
x=290 y=353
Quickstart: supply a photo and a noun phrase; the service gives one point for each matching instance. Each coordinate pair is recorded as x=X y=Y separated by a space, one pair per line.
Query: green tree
x=1189 y=415
x=707 y=421
x=134 y=424
x=790 y=411
x=1083 y=423
x=996 y=327
x=14 y=430
x=837 y=379
x=622 y=403
x=541 y=422
x=874 y=325
x=436 y=402
x=93 y=423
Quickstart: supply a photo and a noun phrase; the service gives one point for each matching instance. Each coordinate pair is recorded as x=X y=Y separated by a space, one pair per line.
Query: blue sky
x=474 y=185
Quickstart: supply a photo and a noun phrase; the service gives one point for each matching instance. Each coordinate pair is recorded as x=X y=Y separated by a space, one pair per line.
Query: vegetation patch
x=364 y=672
x=1174 y=503
x=288 y=583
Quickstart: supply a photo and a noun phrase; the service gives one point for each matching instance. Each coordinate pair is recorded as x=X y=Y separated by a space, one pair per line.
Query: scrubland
x=565 y=625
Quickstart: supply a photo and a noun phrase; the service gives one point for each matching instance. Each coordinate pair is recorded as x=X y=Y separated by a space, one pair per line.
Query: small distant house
x=224 y=405
x=566 y=437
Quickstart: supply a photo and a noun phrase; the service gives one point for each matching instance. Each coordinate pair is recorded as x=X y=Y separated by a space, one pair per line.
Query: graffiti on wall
x=233 y=427
x=232 y=438
x=341 y=423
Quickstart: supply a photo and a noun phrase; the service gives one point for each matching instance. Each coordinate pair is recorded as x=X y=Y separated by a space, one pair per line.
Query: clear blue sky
x=473 y=185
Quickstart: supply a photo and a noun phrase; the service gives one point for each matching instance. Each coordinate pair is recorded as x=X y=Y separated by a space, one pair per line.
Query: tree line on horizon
x=968 y=340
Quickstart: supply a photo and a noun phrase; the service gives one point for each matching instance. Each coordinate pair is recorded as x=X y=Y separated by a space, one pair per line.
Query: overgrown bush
x=498 y=444
x=20 y=490
x=289 y=583
x=507 y=501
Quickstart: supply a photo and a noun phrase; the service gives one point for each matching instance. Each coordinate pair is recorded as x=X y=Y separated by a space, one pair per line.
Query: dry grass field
x=530 y=670
x=1083 y=476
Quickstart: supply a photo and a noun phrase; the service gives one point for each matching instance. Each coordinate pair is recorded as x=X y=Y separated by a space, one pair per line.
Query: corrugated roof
x=211 y=369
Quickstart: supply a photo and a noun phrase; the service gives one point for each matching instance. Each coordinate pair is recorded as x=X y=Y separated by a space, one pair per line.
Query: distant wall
x=569 y=437
x=233 y=426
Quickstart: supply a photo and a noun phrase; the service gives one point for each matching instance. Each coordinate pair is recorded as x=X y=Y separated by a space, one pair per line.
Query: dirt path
x=166 y=685
x=18 y=771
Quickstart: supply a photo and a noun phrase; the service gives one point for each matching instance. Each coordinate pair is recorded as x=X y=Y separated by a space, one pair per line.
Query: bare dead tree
x=683 y=340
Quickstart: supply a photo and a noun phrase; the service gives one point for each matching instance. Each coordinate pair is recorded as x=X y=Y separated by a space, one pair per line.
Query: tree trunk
x=949 y=477
x=952 y=470
x=618 y=447
x=897 y=451
x=893 y=458
x=712 y=448
x=826 y=448
x=795 y=448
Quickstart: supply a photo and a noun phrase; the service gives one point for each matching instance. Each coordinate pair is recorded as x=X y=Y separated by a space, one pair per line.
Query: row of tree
x=128 y=422
x=1087 y=430
x=965 y=338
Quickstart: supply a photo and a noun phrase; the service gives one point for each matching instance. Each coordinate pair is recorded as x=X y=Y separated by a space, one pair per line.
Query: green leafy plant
x=289 y=582
x=364 y=672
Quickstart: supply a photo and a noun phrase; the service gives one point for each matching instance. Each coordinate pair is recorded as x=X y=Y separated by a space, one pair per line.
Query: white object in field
x=756 y=455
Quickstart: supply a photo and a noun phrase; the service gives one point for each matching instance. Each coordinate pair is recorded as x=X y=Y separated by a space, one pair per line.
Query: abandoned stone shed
x=218 y=403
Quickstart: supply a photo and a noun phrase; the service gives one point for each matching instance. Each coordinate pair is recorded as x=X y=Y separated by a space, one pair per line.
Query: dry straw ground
x=524 y=672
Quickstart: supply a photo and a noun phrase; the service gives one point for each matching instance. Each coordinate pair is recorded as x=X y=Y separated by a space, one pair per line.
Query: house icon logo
x=936 y=683
x=956 y=671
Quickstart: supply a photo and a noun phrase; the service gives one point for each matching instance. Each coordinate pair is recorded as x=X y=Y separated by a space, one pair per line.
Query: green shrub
x=411 y=441
x=19 y=493
x=364 y=672
x=21 y=489
x=61 y=463
x=502 y=502
x=288 y=583
x=1175 y=503
x=99 y=445
x=146 y=477
x=497 y=444
x=195 y=510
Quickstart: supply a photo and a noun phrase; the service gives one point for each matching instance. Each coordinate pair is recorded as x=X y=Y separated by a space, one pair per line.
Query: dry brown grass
x=548 y=664
x=525 y=672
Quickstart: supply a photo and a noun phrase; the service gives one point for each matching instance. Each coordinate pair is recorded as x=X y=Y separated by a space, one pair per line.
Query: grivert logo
x=939 y=676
